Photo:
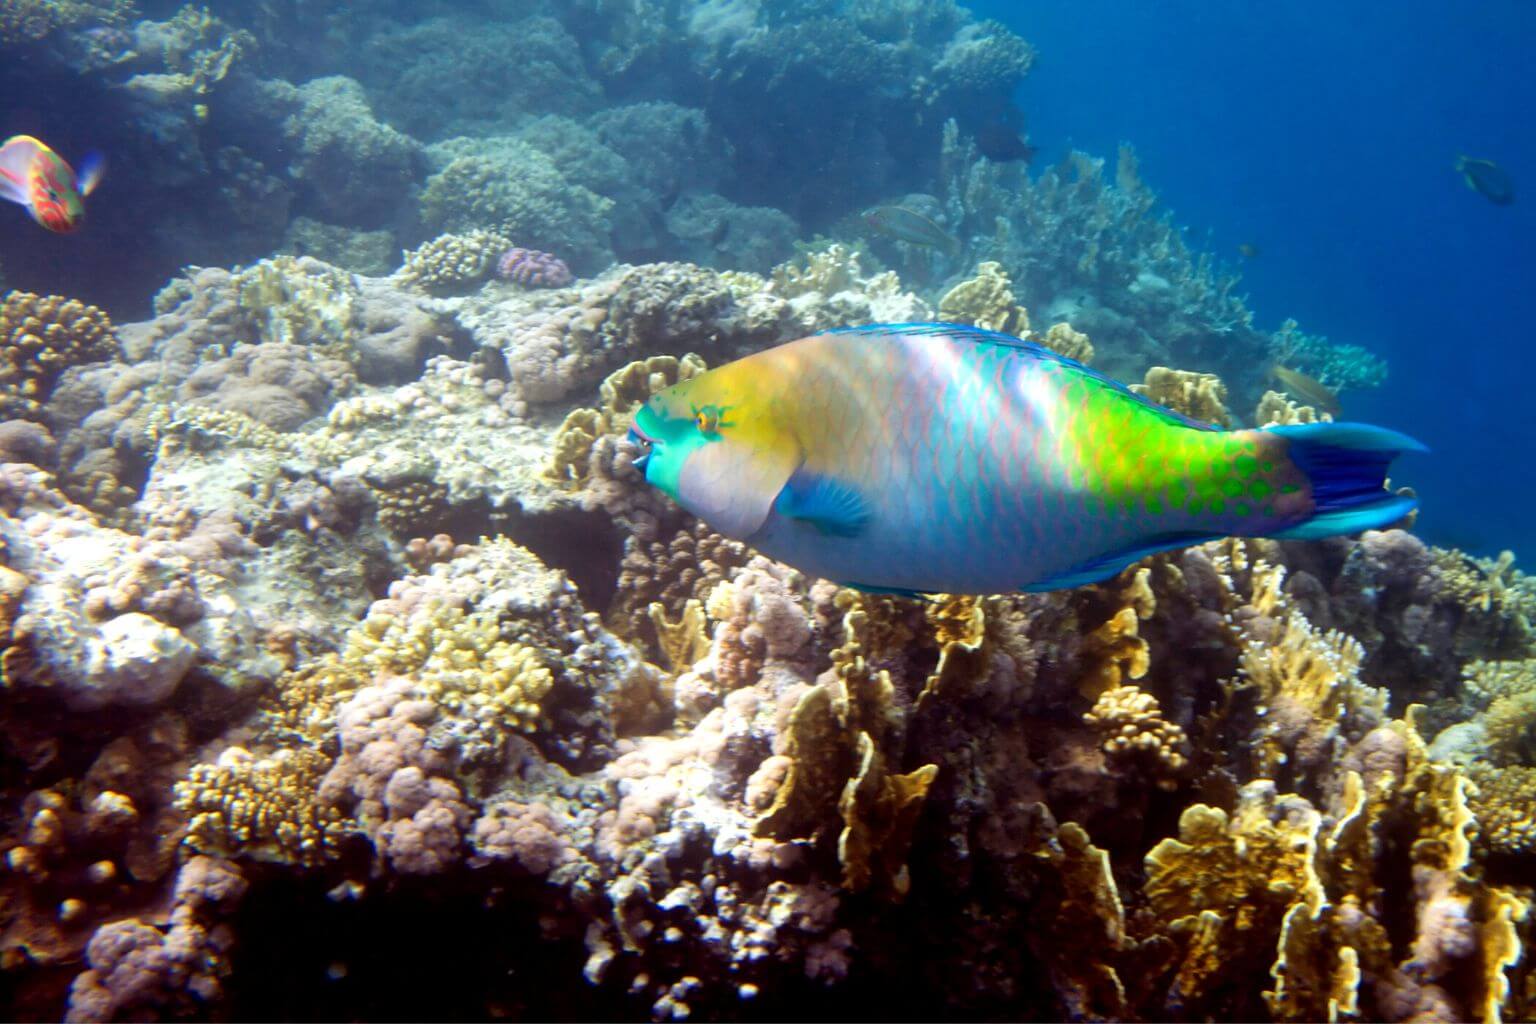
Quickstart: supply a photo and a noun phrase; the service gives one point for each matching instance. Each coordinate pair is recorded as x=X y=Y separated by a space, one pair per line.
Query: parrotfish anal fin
x=16 y=158
x=825 y=502
x=979 y=336
x=1111 y=564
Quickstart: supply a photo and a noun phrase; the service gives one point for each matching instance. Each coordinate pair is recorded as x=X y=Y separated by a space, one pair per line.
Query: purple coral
x=533 y=269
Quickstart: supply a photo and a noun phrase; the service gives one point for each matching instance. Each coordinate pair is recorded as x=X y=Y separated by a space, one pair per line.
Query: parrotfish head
x=56 y=200
x=712 y=446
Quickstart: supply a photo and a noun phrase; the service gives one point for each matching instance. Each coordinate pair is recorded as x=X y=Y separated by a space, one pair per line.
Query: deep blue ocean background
x=1325 y=135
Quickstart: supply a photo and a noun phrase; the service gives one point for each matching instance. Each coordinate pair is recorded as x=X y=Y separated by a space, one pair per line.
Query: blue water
x=1325 y=135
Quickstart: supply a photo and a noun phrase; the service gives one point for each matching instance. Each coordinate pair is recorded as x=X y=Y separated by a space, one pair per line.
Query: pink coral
x=533 y=269
x=415 y=815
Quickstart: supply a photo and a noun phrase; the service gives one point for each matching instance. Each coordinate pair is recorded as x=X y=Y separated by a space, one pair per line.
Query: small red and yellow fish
x=39 y=179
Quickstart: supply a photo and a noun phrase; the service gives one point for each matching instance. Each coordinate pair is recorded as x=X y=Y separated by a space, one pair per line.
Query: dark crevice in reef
x=587 y=546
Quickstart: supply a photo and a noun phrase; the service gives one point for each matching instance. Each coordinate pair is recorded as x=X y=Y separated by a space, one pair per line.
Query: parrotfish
x=941 y=458
x=40 y=180
x=911 y=227
x=1487 y=179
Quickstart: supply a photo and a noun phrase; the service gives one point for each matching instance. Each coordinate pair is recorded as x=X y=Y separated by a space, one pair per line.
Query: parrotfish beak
x=640 y=439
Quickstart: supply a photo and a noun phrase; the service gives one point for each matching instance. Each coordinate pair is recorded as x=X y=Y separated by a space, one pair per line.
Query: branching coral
x=1200 y=395
x=450 y=262
x=620 y=394
x=41 y=337
x=1133 y=730
x=986 y=301
x=262 y=807
x=300 y=301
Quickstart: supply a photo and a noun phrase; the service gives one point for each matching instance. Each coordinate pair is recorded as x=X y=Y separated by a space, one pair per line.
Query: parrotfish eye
x=709 y=419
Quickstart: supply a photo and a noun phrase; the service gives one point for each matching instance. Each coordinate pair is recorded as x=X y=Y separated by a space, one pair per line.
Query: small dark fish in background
x=909 y=226
x=1310 y=390
x=1001 y=142
x=1248 y=251
x=1486 y=178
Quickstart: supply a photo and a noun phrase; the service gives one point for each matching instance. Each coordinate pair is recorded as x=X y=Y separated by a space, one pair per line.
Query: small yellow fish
x=37 y=178
x=1310 y=390
x=1248 y=250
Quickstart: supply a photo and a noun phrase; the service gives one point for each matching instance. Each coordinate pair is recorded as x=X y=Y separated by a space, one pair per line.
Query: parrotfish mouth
x=644 y=442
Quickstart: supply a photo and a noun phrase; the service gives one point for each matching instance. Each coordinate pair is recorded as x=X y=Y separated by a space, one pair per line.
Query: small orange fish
x=1310 y=390
x=39 y=179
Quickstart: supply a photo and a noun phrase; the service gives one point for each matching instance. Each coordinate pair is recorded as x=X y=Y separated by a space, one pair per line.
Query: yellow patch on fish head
x=717 y=447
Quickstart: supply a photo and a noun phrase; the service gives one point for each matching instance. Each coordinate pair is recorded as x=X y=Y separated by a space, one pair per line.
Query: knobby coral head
x=533 y=269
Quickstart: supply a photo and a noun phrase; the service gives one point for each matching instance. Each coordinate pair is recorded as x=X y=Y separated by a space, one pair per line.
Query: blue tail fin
x=1347 y=465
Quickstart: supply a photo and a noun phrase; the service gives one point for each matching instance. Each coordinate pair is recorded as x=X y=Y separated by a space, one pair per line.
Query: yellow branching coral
x=818 y=768
x=879 y=810
x=1201 y=396
x=837 y=748
x=1073 y=344
x=1227 y=877
x=1130 y=722
x=829 y=271
x=620 y=394
x=41 y=336
x=1115 y=650
x=1275 y=409
x=265 y=808
x=684 y=642
x=1305 y=680
x=987 y=301
x=1505 y=804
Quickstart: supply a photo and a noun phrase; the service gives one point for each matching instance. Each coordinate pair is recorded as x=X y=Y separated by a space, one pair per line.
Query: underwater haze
x=1328 y=139
x=766 y=510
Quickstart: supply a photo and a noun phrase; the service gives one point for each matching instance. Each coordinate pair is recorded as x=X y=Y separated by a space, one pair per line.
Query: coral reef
x=40 y=338
x=532 y=269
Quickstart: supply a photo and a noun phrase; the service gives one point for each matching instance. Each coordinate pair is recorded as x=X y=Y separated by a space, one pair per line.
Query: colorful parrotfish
x=924 y=458
x=39 y=179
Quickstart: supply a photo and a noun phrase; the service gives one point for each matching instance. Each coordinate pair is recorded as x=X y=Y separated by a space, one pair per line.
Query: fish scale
x=937 y=457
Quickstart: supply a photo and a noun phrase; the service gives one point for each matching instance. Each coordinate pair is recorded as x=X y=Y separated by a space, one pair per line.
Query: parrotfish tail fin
x=1346 y=463
x=16 y=158
x=88 y=175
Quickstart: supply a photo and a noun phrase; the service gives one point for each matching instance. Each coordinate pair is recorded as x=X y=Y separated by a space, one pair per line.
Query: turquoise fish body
x=921 y=458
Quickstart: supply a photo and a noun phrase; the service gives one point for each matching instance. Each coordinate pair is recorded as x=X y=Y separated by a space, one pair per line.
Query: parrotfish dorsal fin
x=979 y=336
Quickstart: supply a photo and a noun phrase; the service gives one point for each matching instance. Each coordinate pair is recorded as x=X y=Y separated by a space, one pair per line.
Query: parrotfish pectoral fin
x=88 y=175
x=825 y=502
x=1113 y=563
x=1346 y=464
